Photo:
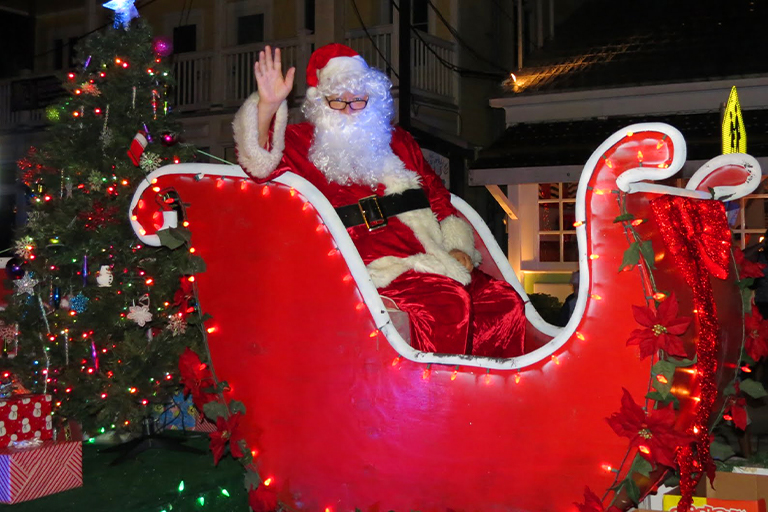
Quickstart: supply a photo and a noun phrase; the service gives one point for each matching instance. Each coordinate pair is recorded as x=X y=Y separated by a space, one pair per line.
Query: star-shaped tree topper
x=125 y=11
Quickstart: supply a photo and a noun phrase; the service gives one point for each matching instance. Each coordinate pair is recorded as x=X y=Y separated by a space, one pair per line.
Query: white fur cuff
x=458 y=234
x=255 y=160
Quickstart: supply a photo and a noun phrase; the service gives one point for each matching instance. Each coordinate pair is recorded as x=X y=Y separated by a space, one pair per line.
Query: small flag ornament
x=138 y=144
x=733 y=130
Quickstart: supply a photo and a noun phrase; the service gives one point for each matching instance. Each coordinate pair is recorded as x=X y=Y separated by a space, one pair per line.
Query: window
x=185 y=39
x=58 y=54
x=748 y=217
x=557 y=213
x=309 y=15
x=420 y=17
x=72 y=53
x=250 y=29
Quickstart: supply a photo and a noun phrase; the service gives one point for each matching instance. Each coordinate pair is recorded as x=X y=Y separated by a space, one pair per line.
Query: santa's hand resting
x=397 y=211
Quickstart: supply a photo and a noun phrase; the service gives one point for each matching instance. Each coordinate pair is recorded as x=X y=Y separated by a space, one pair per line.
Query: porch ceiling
x=570 y=143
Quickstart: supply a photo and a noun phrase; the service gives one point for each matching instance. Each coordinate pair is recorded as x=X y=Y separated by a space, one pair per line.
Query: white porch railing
x=209 y=79
x=194 y=76
x=430 y=58
x=362 y=44
x=238 y=66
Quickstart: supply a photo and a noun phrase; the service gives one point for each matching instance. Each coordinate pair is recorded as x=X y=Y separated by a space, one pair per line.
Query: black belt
x=373 y=211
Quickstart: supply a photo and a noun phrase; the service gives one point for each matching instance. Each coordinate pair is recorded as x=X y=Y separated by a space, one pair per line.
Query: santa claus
x=418 y=251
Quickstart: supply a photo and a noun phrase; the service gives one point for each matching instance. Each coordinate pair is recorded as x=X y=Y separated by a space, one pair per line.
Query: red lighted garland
x=698 y=237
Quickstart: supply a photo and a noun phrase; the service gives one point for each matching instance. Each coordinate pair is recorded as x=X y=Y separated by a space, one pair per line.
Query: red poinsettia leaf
x=592 y=503
x=739 y=415
x=645 y=339
x=673 y=345
x=667 y=310
x=262 y=499
x=679 y=325
x=644 y=316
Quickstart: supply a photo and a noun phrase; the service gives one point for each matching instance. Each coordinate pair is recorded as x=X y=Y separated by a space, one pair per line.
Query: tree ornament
x=104 y=277
x=90 y=88
x=169 y=139
x=163 y=46
x=125 y=11
x=65 y=302
x=150 y=161
x=138 y=144
x=24 y=247
x=106 y=136
x=95 y=181
x=79 y=303
x=140 y=314
x=14 y=269
x=52 y=113
x=25 y=285
x=176 y=324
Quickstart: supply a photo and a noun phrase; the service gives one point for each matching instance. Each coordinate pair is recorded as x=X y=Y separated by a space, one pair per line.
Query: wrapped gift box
x=24 y=417
x=183 y=415
x=30 y=473
x=716 y=505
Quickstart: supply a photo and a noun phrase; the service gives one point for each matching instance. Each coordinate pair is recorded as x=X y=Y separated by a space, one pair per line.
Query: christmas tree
x=97 y=319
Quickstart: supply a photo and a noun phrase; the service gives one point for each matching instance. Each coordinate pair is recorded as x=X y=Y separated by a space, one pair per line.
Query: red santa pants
x=484 y=318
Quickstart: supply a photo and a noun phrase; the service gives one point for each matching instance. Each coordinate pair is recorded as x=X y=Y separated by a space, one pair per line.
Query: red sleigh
x=345 y=414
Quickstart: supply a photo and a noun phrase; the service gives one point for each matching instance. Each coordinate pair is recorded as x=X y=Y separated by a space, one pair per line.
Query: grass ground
x=150 y=483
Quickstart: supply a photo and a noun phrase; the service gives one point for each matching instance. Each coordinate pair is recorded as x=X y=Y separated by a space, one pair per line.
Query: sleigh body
x=345 y=414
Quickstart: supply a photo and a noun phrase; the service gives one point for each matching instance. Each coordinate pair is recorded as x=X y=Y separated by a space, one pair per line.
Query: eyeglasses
x=356 y=104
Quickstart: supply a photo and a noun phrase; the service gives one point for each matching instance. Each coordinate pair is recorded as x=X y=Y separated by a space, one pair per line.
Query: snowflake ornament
x=89 y=88
x=106 y=137
x=79 y=303
x=25 y=285
x=8 y=333
x=95 y=181
x=24 y=247
x=150 y=161
x=140 y=314
x=35 y=217
x=177 y=325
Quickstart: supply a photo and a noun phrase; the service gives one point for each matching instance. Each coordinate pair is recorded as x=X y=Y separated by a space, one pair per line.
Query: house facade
x=458 y=57
x=605 y=71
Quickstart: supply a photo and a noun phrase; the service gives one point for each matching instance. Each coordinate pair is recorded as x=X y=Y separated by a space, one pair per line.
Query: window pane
x=549 y=216
x=185 y=39
x=569 y=190
x=570 y=248
x=549 y=247
x=569 y=215
x=250 y=29
x=549 y=191
x=755 y=213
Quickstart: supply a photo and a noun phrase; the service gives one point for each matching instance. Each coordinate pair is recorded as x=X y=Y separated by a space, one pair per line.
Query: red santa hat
x=333 y=59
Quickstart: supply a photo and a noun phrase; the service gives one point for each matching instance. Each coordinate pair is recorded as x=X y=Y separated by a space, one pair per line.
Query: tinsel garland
x=697 y=236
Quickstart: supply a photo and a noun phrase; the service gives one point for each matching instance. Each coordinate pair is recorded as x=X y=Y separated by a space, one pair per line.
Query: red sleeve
x=410 y=152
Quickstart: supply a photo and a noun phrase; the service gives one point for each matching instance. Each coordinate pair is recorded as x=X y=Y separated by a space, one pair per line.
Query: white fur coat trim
x=458 y=234
x=255 y=160
x=434 y=260
x=436 y=238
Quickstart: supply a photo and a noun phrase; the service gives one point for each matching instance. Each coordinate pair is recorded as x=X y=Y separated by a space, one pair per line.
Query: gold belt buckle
x=373 y=216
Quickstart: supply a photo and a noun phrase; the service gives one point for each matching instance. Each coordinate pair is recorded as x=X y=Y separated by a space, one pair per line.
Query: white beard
x=350 y=148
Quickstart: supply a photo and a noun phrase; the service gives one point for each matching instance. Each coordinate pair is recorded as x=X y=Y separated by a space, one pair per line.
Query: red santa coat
x=409 y=259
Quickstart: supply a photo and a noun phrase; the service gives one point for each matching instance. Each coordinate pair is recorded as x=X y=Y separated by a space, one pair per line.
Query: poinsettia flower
x=755 y=335
x=227 y=433
x=653 y=433
x=196 y=376
x=737 y=412
x=184 y=296
x=746 y=267
x=661 y=329
x=592 y=503
x=262 y=499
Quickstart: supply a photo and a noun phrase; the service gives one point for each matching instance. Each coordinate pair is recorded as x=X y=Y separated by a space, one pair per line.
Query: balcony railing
x=207 y=79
